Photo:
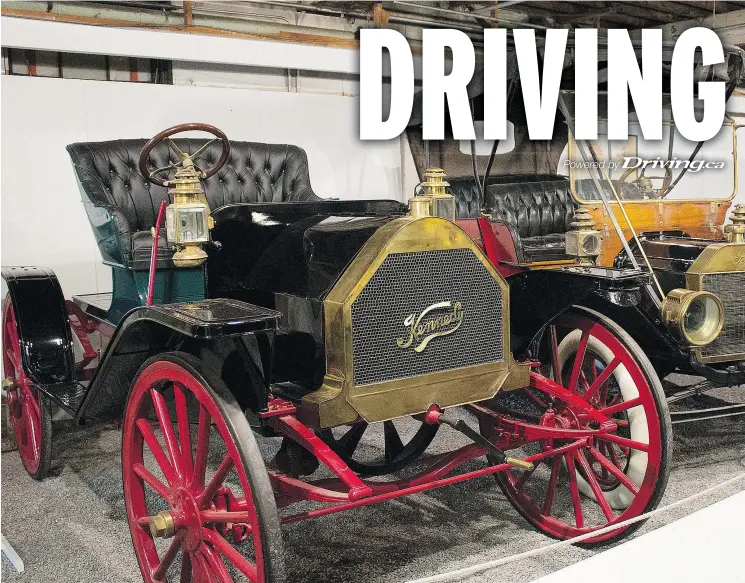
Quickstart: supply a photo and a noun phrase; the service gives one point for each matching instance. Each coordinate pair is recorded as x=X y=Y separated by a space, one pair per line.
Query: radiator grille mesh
x=408 y=283
x=730 y=288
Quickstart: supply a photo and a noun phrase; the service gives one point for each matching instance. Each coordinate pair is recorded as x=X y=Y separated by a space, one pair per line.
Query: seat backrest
x=110 y=179
x=534 y=207
x=254 y=172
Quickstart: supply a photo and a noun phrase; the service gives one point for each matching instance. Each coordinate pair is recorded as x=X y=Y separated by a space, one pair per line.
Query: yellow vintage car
x=660 y=206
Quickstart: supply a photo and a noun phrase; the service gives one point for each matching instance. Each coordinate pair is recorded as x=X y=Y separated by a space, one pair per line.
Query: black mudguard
x=198 y=328
x=43 y=326
x=538 y=296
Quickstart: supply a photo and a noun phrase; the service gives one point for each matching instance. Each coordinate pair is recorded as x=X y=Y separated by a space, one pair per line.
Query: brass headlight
x=693 y=317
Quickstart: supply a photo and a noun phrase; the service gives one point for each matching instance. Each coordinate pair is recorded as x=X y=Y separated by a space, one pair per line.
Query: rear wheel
x=611 y=478
x=202 y=509
x=30 y=409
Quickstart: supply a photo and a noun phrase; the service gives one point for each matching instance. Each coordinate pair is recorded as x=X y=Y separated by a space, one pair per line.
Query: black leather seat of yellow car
x=123 y=206
x=538 y=208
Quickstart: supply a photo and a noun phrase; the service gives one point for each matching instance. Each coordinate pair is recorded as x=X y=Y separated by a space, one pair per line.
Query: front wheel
x=202 y=509
x=614 y=477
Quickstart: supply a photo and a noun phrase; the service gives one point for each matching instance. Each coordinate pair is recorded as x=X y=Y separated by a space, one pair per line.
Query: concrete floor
x=72 y=527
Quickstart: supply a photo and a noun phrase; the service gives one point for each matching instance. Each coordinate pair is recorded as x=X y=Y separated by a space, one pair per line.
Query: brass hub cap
x=162 y=525
x=183 y=520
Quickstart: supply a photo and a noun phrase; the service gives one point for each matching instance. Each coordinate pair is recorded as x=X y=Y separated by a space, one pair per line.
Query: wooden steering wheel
x=151 y=175
x=644 y=183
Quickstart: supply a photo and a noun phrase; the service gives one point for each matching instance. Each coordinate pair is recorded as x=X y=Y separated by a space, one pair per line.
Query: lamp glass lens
x=702 y=318
x=192 y=224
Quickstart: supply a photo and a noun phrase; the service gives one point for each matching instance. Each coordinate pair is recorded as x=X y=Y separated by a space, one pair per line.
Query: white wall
x=43 y=222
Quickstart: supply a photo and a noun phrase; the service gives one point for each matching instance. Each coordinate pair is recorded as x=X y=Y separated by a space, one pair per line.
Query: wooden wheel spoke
x=13 y=332
x=184 y=429
x=623 y=406
x=166 y=428
x=14 y=359
x=226 y=550
x=579 y=520
x=595 y=486
x=520 y=483
x=393 y=444
x=152 y=442
x=144 y=522
x=33 y=404
x=579 y=359
x=185 y=568
x=224 y=517
x=33 y=432
x=551 y=489
x=351 y=439
x=623 y=441
x=160 y=571
x=201 y=570
x=216 y=563
x=602 y=379
x=613 y=469
x=613 y=454
x=217 y=480
x=159 y=487
x=203 y=446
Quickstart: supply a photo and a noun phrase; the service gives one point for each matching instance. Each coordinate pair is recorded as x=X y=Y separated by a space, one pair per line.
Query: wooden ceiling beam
x=677 y=8
x=646 y=12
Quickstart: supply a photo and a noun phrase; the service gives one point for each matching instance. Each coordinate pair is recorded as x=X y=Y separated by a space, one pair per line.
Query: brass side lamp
x=583 y=241
x=188 y=219
x=434 y=201
x=735 y=232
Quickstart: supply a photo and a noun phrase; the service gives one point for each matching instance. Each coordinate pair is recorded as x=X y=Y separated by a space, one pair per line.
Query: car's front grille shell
x=408 y=283
x=730 y=288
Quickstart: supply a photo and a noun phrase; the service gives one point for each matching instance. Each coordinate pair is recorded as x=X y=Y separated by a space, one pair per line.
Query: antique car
x=658 y=206
x=261 y=309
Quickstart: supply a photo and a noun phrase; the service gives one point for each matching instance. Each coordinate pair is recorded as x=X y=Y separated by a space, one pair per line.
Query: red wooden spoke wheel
x=611 y=478
x=30 y=410
x=199 y=503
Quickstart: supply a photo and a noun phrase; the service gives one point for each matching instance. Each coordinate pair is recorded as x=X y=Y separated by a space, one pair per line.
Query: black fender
x=43 y=325
x=538 y=296
x=643 y=324
x=200 y=328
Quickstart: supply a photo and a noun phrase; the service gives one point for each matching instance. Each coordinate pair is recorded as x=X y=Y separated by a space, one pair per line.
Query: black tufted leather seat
x=110 y=180
x=540 y=208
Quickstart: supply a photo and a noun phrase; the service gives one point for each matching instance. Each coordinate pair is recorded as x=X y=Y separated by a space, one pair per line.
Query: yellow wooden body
x=700 y=219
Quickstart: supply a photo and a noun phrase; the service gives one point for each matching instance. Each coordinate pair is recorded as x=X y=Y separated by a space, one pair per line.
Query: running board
x=703 y=414
x=66 y=395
